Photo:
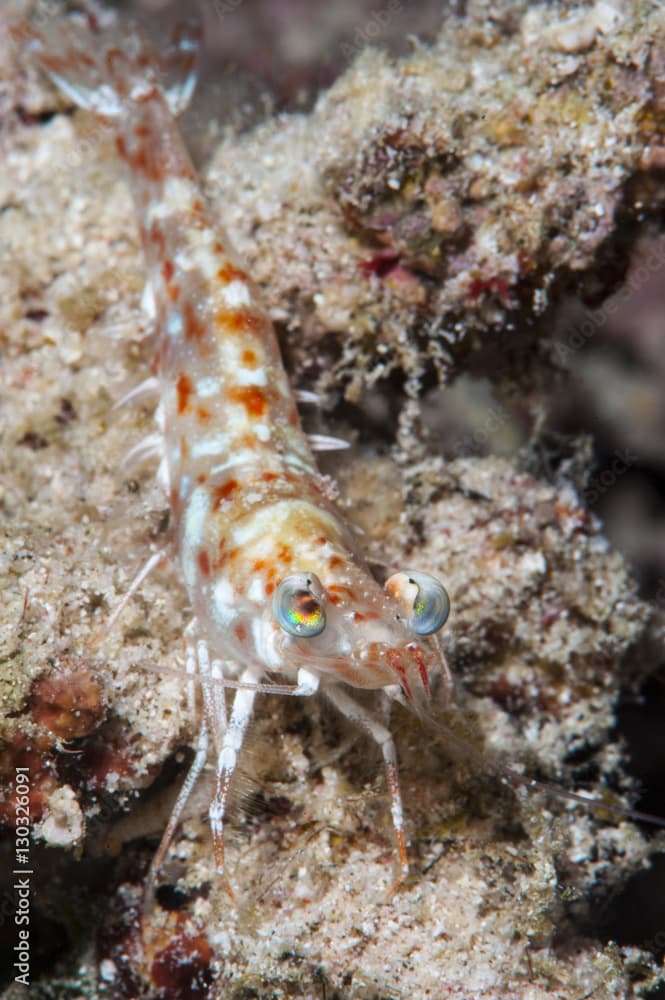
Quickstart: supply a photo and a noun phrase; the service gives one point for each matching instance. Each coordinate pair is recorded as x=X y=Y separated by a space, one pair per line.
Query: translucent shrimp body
x=272 y=571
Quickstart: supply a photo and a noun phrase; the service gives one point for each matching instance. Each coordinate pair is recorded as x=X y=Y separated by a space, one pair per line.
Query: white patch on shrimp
x=256 y=590
x=244 y=457
x=207 y=386
x=194 y=521
x=265 y=525
x=163 y=477
x=206 y=261
x=214 y=444
x=250 y=376
x=236 y=294
x=178 y=195
x=224 y=603
x=148 y=304
x=185 y=484
x=174 y=325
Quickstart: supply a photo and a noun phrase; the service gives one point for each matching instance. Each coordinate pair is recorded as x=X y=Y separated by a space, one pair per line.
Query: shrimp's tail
x=103 y=74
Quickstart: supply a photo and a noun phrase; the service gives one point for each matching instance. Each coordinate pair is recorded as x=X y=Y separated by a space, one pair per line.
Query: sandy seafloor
x=375 y=296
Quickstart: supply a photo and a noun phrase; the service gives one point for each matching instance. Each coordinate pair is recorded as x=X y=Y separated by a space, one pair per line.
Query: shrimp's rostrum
x=277 y=585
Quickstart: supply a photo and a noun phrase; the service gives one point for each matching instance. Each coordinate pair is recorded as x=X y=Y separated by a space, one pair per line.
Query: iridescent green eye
x=298 y=607
x=423 y=598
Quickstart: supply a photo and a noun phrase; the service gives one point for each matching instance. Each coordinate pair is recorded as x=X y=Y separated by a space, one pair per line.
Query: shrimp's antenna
x=507 y=773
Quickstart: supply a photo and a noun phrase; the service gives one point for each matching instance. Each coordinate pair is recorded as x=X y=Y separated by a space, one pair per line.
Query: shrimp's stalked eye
x=423 y=598
x=298 y=605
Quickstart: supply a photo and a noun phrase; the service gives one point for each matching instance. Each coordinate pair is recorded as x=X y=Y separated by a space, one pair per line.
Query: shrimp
x=273 y=573
x=283 y=601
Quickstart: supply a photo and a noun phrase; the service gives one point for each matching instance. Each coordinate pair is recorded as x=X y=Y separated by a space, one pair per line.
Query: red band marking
x=194 y=328
x=252 y=397
x=229 y=272
x=203 y=560
x=243 y=320
x=223 y=492
x=184 y=389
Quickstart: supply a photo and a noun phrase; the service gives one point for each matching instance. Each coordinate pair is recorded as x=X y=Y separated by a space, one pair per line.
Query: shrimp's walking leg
x=192 y=777
x=214 y=696
x=145 y=571
x=227 y=760
x=381 y=735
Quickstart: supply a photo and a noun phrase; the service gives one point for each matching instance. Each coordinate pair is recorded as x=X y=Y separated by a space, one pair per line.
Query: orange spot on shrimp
x=337 y=592
x=184 y=389
x=113 y=53
x=269 y=477
x=203 y=560
x=242 y=320
x=173 y=292
x=156 y=236
x=194 y=328
x=140 y=159
x=241 y=632
x=247 y=441
x=223 y=492
x=395 y=662
x=196 y=217
x=422 y=670
x=220 y=558
x=167 y=270
x=121 y=146
x=335 y=562
x=203 y=414
x=229 y=272
x=252 y=397
x=249 y=359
